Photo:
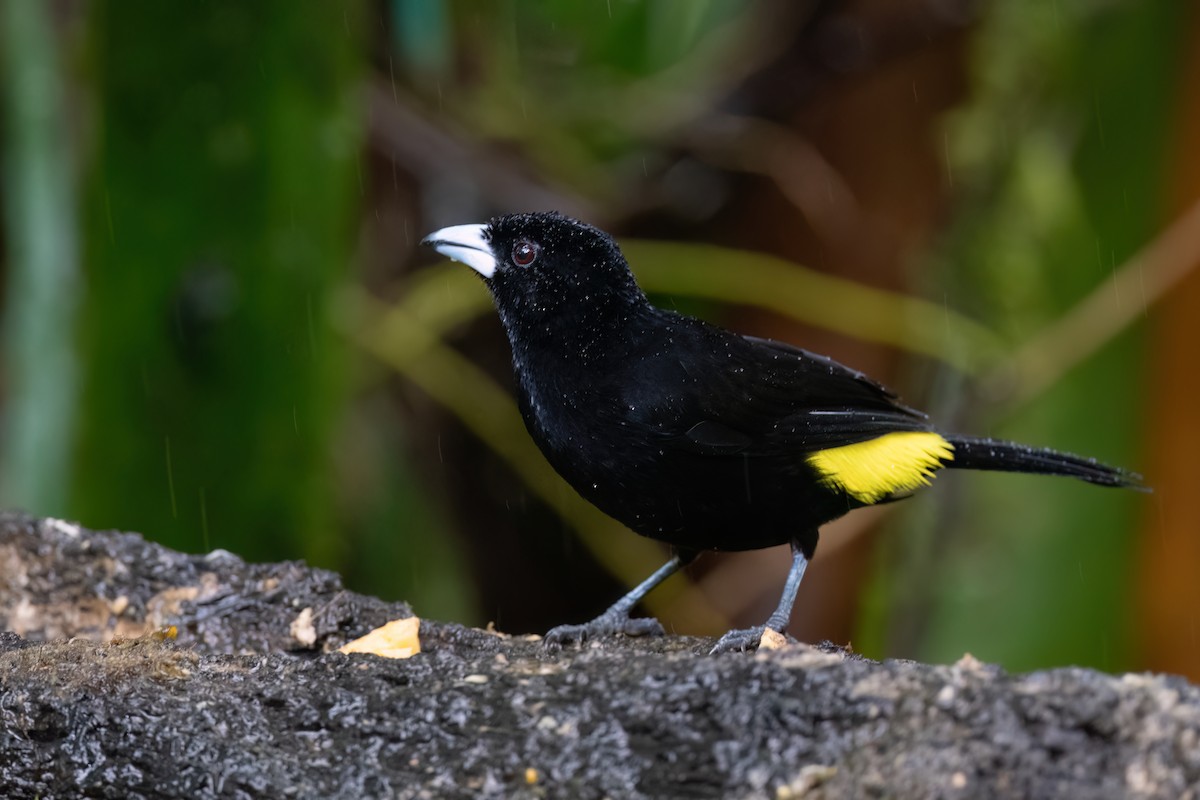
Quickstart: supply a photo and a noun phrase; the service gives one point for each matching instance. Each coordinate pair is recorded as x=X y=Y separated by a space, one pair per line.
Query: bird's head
x=545 y=271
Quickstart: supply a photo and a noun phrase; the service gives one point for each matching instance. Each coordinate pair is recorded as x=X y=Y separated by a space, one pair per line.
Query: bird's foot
x=604 y=625
x=741 y=640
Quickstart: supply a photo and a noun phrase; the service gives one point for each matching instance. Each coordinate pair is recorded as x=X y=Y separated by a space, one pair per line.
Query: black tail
x=992 y=454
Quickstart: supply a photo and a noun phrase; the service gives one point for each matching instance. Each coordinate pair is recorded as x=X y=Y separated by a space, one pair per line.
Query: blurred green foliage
x=43 y=281
x=1061 y=160
x=218 y=213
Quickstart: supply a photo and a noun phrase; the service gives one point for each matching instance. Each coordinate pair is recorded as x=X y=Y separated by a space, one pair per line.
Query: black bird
x=691 y=434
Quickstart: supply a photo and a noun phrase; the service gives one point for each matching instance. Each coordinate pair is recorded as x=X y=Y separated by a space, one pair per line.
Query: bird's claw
x=603 y=625
x=739 y=641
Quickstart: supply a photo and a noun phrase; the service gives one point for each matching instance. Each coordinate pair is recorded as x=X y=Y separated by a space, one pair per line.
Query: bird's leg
x=748 y=638
x=616 y=619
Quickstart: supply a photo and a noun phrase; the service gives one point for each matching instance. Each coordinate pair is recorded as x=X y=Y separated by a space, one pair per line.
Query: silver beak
x=467 y=244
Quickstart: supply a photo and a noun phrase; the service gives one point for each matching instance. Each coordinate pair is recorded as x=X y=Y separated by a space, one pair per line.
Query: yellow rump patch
x=878 y=468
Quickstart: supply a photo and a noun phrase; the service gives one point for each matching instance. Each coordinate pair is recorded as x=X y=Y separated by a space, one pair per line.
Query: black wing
x=715 y=392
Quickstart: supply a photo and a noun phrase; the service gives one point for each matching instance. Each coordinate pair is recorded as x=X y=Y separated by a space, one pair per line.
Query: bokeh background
x=219 y=328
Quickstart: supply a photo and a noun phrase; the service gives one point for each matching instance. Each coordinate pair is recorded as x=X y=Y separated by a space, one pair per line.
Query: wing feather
x=760 y=397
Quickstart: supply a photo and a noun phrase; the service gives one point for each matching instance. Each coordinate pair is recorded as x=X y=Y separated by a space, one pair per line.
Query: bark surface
x=249 y=701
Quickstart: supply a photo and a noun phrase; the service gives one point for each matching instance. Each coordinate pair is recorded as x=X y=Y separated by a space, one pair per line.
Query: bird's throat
x=572 y=338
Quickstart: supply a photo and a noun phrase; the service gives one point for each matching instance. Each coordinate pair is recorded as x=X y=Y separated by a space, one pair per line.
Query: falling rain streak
x=204 y=520
x=171 y=478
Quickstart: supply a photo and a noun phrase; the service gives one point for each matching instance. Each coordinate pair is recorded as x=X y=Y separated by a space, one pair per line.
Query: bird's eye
x=524 y=253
